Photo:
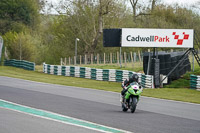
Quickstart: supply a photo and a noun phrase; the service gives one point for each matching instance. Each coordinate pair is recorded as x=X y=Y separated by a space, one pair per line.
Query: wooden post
x=149 y=62
x=97 y=59
x=61 y=61
x=118 y=58
x=74 y=60
x=69 y=61
x=65 y=61
x=85 y=59
x=125 y=59
x=139 y=56
x=111 y=58
x=91 y=58
x=80 y=59
x=122 y=59
x=104 y=58
x=132 y=59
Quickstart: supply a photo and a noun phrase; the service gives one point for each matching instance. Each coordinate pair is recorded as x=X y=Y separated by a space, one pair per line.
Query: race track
x=152 y=115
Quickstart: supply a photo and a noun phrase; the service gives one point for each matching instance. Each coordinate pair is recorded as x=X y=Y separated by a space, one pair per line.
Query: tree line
x=31 y=35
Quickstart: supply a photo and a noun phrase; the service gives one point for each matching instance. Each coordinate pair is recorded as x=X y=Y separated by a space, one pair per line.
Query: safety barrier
x=97 y=74
x=20 y=64
x=194 y=82
x=147 y=81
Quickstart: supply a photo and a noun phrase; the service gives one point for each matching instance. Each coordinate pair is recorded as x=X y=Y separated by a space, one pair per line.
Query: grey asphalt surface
x=151 y=116
x=15 y=122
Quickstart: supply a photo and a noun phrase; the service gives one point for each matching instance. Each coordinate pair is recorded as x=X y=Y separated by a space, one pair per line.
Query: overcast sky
x=168 y=1
x=180 y=1
x=165 y=1
x=185 y=3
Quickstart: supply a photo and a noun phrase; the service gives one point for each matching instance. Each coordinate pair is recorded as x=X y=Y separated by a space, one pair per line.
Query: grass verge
x=136 y=67
x=184 y=81
x=180 y=94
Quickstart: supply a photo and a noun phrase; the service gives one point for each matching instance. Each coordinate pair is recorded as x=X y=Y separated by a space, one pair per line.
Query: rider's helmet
x=134 y=78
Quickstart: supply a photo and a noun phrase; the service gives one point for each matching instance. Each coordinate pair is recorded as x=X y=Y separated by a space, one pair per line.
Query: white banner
x=176 y=38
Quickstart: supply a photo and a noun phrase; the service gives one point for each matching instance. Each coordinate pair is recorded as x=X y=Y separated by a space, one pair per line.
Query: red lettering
x=164 y=39
x=167 y=39
x=156 y=38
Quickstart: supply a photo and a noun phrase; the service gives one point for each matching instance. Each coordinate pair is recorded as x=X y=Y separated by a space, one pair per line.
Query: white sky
x=170 y=1
x=165 y=1
x=180 y=1
x=185 y=3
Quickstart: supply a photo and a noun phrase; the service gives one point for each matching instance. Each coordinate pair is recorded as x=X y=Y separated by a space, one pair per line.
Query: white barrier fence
x=194 y=82
x=97 y=74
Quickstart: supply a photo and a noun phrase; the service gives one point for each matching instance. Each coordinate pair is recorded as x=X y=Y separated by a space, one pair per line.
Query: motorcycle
x=131 y=97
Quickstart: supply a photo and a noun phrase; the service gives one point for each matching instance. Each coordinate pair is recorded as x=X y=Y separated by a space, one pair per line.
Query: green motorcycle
x=131 y=97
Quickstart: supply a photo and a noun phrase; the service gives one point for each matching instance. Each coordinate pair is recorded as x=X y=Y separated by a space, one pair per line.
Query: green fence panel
x=20 y=64
x=48 y=69
x=101 y=74
x=105 y=75
x=63 y=70
x=82 y=72
x=16 y=63
x=194 y=81
x=119 y=76
x=7 y=63
x=12 y=62
x=72 y=71
x=93 y=73
x=55 y=70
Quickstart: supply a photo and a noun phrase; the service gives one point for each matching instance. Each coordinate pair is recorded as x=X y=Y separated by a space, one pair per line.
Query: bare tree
x=86 y=17
x=134 y=7
x=104 y=9
x=153 y=3
x=196 y=5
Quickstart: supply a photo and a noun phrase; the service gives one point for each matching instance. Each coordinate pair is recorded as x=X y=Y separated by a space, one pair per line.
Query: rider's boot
x=124 y=102
x=121 y=98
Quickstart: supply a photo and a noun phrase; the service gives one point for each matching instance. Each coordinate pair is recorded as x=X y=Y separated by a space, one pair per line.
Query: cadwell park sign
x=176 y=38
x=139 y=37
x=155 y=38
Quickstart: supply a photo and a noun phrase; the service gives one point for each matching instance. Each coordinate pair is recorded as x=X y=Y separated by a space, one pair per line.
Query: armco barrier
x=97 y=74
x=194 y=82
x=147 y=81
x=20 y=64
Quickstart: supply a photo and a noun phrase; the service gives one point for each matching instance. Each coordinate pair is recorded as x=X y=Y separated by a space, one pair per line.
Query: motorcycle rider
x=133 y=79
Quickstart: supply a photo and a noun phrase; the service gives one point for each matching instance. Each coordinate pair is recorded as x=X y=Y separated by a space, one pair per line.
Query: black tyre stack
x=167 y=62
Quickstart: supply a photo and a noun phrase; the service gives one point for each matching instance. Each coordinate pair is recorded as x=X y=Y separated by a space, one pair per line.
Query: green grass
x=54 y=79
x=136 y=66
x=180 y=94
x=184 y=81
x=135 y=69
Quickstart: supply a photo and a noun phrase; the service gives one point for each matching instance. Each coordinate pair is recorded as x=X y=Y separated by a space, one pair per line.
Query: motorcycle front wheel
x=133 y=104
